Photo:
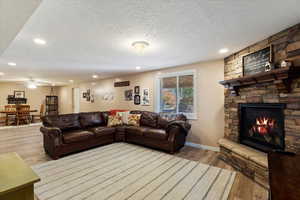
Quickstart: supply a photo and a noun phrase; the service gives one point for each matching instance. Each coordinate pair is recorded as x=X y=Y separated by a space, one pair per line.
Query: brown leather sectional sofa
x=65 y=134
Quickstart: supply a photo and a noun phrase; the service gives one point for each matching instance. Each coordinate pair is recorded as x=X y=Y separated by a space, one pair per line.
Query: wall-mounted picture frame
x=145 y=97
x=128 y=95
x=255 y=62
x=137 y=99
x=19 y=94
x=92 y=98
x=137 y=90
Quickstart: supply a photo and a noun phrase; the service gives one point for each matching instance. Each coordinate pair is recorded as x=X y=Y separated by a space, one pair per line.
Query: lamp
x=140 y=46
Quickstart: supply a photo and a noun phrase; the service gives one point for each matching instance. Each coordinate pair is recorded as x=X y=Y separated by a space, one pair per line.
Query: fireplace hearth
x=262 y=126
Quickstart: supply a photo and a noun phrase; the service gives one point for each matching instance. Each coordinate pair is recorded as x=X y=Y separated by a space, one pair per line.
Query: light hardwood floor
x=28 y=143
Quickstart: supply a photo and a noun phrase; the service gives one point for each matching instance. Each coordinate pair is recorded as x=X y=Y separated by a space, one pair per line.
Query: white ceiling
x=87 y=37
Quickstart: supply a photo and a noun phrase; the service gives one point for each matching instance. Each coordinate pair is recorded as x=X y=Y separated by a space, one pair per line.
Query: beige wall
x=35 y=97
x=206 y=130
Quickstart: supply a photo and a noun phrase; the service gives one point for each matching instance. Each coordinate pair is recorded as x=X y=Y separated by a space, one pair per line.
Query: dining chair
x=11 y=115
x=41 y=114
x=23 y=114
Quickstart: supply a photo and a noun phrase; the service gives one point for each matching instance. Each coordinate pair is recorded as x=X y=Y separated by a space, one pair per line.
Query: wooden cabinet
x=51 y=105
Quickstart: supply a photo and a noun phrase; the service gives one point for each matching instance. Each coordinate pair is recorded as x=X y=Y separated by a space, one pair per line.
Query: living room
x=124 y=102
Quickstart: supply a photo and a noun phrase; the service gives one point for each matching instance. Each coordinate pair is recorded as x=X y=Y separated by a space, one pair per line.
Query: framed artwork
x=92 y=98
x=256 y=62
x=146 y=97
x=19 y=94
x=128 y=95
x=137 y=90
x=137 y=99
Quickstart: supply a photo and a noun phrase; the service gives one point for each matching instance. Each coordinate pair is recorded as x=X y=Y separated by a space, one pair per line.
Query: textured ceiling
x=95 y=36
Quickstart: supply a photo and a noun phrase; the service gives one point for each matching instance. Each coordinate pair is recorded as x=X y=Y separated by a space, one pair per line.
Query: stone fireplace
x=262 y=115
x=262 y=126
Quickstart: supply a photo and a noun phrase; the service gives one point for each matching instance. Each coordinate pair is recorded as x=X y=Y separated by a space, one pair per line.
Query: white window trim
x=192 y=116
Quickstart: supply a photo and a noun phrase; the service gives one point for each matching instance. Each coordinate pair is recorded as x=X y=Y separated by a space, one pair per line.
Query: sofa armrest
x=52 y=133
x=176 y=137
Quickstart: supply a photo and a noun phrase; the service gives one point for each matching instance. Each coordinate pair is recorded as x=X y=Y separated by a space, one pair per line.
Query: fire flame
x=263 y=125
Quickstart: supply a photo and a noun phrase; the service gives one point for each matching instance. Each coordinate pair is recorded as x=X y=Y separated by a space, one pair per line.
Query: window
x=176 y=93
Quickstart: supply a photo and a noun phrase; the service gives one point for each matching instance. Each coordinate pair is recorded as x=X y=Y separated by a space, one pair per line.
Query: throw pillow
x=124 y=116
x=134 y=119
x=114 y=120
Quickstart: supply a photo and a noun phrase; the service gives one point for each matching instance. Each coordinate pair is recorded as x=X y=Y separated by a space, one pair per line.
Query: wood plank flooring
x=28 y=143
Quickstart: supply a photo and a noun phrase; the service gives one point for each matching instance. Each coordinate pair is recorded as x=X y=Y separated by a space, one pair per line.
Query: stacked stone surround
x=266 y=92
x=249 y=161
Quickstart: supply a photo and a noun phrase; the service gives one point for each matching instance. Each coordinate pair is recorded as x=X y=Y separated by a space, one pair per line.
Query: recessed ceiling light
x=140 y=46
x=12 y=64
x=137 y=67
x=40 y=41
x=1 y=74
x=71 y=81
x=95 y=76
x=224 y=50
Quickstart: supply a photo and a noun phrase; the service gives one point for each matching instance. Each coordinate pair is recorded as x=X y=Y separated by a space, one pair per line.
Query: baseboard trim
x=21 y=126
x=201 y=146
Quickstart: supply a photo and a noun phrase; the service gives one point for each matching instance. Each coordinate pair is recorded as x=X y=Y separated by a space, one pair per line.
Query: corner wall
x=206 y=130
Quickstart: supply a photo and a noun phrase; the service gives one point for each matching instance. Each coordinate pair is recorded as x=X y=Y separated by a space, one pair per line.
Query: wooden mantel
x=277 y=76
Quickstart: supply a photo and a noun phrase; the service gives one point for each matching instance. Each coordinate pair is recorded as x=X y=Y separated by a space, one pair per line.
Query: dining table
x=14 y=112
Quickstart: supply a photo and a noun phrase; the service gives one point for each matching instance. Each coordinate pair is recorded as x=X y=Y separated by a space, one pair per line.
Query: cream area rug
x=125 y=171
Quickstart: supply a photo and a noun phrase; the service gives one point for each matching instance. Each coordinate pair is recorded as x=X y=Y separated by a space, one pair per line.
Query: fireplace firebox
x=262 y=126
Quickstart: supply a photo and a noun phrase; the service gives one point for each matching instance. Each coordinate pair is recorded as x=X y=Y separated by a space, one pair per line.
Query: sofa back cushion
x=165 y=118
x=91 y=119
x=64 y=122
x=147 y=118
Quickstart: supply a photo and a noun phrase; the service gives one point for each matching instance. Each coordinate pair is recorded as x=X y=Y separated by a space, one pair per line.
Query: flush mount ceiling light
x=39 y=41
x=140 y=46
x=71 y=81
x=137 y=67
x=224 y=50
x=12 y=64
x=95 y=76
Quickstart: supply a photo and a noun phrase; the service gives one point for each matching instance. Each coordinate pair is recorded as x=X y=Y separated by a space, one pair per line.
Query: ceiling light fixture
x=140 y=46
x=71 y=81
x=40 y=41
x=138 y=68
x=12 y=64
x=31 y=85
x=224 y=50
x=95 y=76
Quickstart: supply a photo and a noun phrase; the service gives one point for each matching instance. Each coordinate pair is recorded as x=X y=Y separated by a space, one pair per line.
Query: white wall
x=13 y=15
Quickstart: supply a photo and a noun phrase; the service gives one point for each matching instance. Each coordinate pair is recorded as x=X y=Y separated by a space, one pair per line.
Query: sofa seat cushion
x=102 y=130
x=136 y=130
x=77 y=136
x=154 y=133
